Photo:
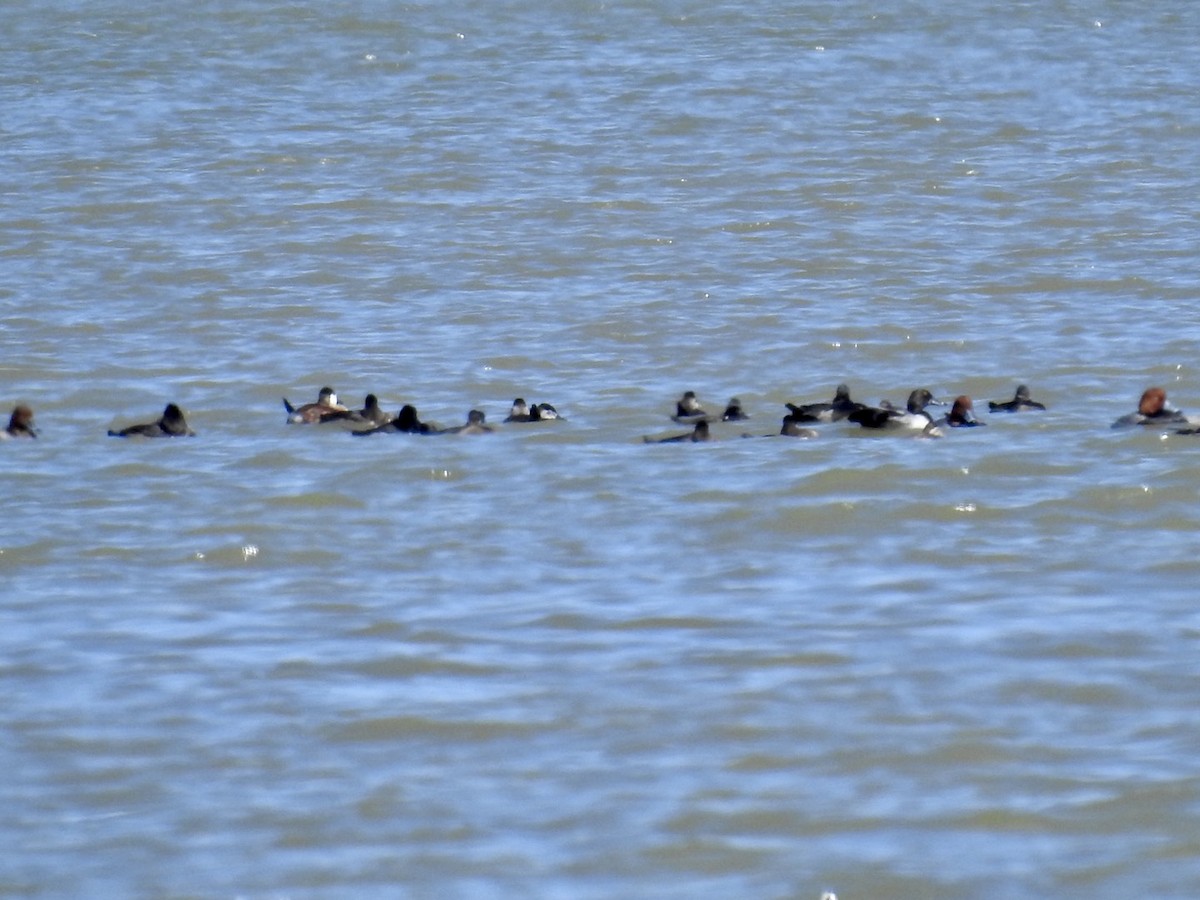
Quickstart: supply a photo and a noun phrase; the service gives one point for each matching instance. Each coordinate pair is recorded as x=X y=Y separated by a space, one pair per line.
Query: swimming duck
x=688 y=409
x=962 y=414
x=20 y=424
x=1021 y=400
x=839 y=408
x=371 y=412
x=475 y=425
x=1152 y=410
x=733 y=411
x=405 y=422
x=170 y=424
x=326 y=408
x=520 y=412
x=791 y=425
x=697 y=435
x=912 y=418
x=536 y=412
x=792 y=428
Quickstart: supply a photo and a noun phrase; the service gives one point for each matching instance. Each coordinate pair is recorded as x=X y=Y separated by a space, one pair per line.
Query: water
x=274 y=661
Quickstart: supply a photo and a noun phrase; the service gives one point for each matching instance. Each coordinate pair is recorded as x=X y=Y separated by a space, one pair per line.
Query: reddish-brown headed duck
x=1153 y=410
x=20 y=424
x=962 y=414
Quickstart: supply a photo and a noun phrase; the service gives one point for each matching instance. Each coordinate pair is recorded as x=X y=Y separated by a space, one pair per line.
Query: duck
x=326 y=408
x=791 y=424
x=1153 y=410
x=837 y=409
x=792 y=428
x=688 y=409
x=170 y=424
x=476 y=424
x=733 y=411
x=405 y=422
x=698 y=434
x=520 y=412
x=20 y=424
x=531 y=412
x=1021 y=400
x=371 y=412
x=912 y=418
x=962 y=414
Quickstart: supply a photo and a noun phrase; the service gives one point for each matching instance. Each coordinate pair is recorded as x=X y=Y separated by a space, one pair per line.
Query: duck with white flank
x=913 y=418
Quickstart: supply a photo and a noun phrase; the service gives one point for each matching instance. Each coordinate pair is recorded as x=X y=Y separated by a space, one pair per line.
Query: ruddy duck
x=406 y=422
x=697 y=435
x=1021 y=400
x=476 y=424
x=536 y=412
x=789 y=428
x=792 y=428
x=520 y=412
x=688 y=409
x=839 y=408
x=372 y=412
x=733 y=411
x=170 y=424
x=326 y=408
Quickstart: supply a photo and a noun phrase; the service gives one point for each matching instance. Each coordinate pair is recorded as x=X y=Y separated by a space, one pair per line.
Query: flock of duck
x=914 y=417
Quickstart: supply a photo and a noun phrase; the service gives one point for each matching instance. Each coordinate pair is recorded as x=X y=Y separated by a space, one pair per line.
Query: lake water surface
x=275 y=661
